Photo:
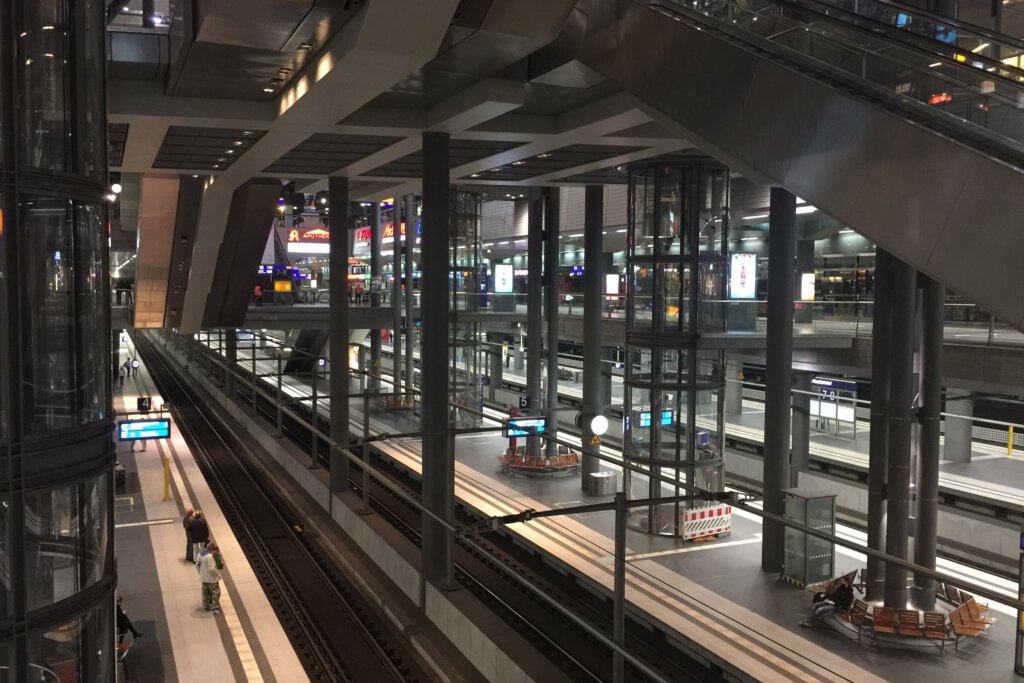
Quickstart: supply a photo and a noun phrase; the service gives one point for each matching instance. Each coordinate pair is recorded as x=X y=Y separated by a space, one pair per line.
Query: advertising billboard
x=503 y=274
x=743 y=276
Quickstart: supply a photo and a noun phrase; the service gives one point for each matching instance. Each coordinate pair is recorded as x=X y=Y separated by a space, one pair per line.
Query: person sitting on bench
x=841 y=600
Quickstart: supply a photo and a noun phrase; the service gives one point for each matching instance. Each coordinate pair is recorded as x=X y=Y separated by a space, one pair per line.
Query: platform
x=713 y=594
x=161 y=591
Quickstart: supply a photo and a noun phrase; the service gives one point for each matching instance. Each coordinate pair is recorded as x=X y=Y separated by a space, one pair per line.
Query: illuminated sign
x=282 y=285
x=807 y=286
x=645 y=418
x=313 y=235
x=141 y=430
x=940 y=98
x=576 y=271
x=525 y=426
x=611 y=283
x=743 y=276
x=834 y=384
x=503 y=278
x=363 y=234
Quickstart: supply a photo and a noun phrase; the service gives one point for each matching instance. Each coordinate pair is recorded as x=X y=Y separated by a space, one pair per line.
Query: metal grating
x=214 y=149
x=556 y=160
x=460 y=151
x=117 y=136
x=324 y=153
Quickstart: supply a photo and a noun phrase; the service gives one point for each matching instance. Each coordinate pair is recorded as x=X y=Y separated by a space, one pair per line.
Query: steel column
x=593 y=282
x=901 y=353
x=957 y=446
x=778 y=375
x=230 y=361
x=534 y=330
x=930 y=419
x=438 y=467
x=375 y=237
x=410 y=327
x=339 y=331
x=801 y=456
x=551 y=232
x=396 y=294
x=878 y=461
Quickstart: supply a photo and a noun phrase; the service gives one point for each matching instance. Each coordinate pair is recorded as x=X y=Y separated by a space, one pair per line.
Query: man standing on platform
x=208 y=564
x=199 y=530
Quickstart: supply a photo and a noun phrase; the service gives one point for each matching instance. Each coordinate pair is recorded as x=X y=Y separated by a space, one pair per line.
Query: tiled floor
x=161 y=590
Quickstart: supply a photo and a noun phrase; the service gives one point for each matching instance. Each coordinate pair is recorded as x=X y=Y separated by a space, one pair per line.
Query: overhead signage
x=837 y=384
x=503 y=278
x=525 y=426
x=143 y=430
x=144 y=404
x=388 y=233
x=312 y=235
x=576 y=271
x=743 y=276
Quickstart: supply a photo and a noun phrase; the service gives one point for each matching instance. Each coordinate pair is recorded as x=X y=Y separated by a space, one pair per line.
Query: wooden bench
x=883 y=620
x=960 y=629
x=516 y=460
x=975 y=610
x=908 y=623
x=935 y=627
x=857 y=617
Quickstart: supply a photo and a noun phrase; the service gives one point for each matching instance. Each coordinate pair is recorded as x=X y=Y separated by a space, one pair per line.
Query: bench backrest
x=935 y=620
x=910 y=618
x=884 y=616
x=973 y=609
x=955 y=618
x=953 y=595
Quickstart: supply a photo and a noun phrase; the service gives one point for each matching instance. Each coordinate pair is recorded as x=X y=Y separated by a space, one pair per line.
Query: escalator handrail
x=988 y=34
x=986 y=144
x=899 y=35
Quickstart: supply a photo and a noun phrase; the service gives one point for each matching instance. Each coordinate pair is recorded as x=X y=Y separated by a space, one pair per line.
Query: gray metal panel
x=946 y=208
x=250 y=219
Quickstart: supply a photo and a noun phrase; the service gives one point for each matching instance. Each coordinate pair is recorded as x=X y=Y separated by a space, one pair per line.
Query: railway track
x=578 y=654
x=336 y=633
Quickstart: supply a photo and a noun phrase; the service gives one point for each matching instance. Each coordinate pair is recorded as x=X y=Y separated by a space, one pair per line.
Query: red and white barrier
x=707 y=521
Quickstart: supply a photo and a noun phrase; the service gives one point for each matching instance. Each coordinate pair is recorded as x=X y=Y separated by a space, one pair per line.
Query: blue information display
x=666 y=418
x=141 y=430
x=525 y=426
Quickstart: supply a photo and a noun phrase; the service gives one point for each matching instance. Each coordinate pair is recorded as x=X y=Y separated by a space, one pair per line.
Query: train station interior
x=511 y=340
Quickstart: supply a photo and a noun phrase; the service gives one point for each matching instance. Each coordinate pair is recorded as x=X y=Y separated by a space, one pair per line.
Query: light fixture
x=846 y=231
x=806 y=209
x=474 y=175
x=518 y=163
x=246 y=132
x=116 y=188
x=268 y=90
x=237 y=143
x=545 y=155
x=755 y=217
x=229 y=151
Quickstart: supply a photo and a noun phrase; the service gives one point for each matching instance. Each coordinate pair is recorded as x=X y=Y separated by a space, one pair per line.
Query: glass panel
x=641 y=294
x=66 y=540
x=711 y=296
x=676 y=303
x=711 y=211
x=42 y=63
x=670 y=209
x=94 y=131
x=90 y=309
x=79 y=650
x=49 y=372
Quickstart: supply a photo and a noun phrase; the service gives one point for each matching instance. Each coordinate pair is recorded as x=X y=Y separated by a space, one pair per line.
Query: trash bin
x=603 y=483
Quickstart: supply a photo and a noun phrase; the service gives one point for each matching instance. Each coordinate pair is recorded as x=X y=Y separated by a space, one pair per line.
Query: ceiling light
x=755 y=217
x=621 y=230
x=216 y=165
x=747 y=239
x=48 y=28
x=222 y=159
x=934 y=65
x=518 y=163
x=806 y=209
x=474 y=175
x=801 y=200
x=237 y=143
x=268 y=90
x=246 y=132
x=845 y=231
x=307 y=45
x=116 y=188
x=229 y=151
x=545 y=155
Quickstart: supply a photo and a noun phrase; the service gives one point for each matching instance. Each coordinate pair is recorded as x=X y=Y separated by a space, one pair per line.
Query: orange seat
x=935 y=627
x=883 y=620
x=909 y=623
x=975 y=611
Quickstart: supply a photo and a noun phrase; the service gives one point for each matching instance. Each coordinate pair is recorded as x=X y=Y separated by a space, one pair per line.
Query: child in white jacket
x=208 y=564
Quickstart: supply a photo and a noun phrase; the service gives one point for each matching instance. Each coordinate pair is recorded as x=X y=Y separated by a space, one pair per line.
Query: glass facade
x=466 y=210
x=676 y=255
x=56 y=519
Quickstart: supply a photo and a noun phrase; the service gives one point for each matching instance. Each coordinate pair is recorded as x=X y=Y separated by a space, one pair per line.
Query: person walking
x=199 y=530
x=124 y=624
x=257 y=295
x=208 y=564
x=186 y=521
x=120 y=376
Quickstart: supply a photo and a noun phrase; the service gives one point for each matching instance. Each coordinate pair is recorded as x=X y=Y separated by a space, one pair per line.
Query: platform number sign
x=524 y=402
x=144 y=404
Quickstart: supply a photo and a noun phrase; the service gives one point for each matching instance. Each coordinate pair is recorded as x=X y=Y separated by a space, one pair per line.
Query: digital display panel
x=503 y=278
x=645 y=418
x=141 y=430
x=526 y=426
x=743 y=276
x=611 y=283
x=807 y=286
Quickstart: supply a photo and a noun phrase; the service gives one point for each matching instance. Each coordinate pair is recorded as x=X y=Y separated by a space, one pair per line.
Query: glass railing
x=956 y=96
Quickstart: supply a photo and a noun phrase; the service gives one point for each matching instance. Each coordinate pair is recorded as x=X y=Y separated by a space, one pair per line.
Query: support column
x=804 y=264
x=534 y=330
x=901 y=353
x=878 y=460
x=778 y=379
x=496 y=365
x=801 y=456
x=594 y=402
x=375 y=236
x=957 y=445
x=607 y=365
x=339 y=331
x=551 y=231
x=410 y=323
x=733 y=388
x=438 y=466
x=930 y=418
x=231 y=360
x=396 y=295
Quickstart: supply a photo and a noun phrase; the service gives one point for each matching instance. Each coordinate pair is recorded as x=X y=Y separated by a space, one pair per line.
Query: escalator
x=905 y=126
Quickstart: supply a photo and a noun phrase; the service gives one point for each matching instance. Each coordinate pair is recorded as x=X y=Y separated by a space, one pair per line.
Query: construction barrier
x=709 y=520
